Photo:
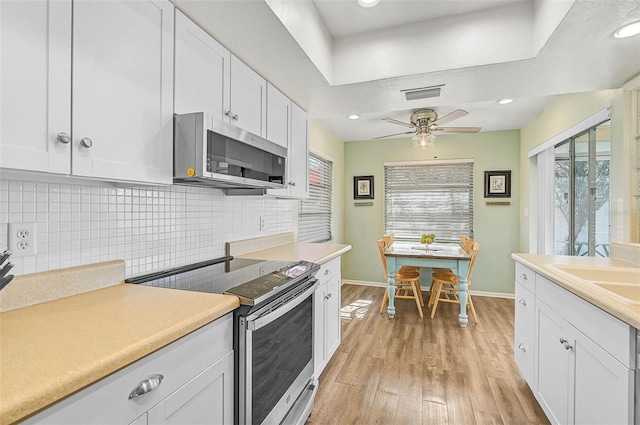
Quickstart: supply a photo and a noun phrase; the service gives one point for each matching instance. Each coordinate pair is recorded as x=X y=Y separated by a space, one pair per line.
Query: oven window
x=281 y=350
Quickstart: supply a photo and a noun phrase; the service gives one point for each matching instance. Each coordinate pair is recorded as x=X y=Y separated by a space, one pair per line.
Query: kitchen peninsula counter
x=315 y=252
x=52 y=349
x=626 y=311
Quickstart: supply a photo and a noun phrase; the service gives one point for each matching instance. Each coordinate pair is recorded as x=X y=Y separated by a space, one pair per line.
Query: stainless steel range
x=273 y=336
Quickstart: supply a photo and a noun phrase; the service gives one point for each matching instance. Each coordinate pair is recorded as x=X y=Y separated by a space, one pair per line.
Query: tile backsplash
x=150 y=227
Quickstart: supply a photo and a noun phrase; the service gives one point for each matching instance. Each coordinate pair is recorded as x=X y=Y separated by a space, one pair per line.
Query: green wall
x=495 y=227
x=562 y=113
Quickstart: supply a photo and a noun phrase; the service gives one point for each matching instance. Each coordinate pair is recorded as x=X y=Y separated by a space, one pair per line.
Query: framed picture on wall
x=363 y=187
x=497 y=184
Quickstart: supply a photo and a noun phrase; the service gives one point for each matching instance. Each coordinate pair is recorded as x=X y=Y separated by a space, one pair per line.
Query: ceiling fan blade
x=458 y=113
x=396 y=134
x=393 y=121
x=457 y=129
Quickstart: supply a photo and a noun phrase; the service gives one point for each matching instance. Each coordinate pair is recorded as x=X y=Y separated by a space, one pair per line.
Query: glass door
x=582 y=193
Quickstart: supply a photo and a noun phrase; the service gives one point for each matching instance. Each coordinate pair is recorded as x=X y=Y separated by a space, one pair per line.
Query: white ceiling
x=334 y=58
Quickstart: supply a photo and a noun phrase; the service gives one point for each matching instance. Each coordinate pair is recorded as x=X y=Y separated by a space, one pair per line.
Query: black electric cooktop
x=253 y=281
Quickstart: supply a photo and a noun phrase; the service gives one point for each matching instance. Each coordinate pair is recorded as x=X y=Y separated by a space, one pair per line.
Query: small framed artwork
x=363 y=187
x=497 y=184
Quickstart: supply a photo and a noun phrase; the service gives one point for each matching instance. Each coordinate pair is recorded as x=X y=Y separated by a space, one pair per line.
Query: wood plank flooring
x=414 y=371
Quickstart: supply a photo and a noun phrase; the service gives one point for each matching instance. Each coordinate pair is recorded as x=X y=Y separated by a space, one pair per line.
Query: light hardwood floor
x=409 y=370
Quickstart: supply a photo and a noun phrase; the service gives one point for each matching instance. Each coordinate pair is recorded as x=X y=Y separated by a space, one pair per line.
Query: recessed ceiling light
x=628 y=30
x=353 y=116
x=504 y=101
x=368 y=3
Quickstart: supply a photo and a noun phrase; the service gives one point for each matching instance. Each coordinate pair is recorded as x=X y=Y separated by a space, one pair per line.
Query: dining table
x=401 y=253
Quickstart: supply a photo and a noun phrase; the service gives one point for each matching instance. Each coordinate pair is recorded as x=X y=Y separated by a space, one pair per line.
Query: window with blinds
x=314 y=218
x=429 y=197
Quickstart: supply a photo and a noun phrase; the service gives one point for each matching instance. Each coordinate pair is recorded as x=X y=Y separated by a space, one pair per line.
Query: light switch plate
x=22 y=239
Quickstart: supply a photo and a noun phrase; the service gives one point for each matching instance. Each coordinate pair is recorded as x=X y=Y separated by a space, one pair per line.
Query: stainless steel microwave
x=210 y=152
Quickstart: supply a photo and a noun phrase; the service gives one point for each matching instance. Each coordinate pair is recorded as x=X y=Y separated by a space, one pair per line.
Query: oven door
x=277 y=366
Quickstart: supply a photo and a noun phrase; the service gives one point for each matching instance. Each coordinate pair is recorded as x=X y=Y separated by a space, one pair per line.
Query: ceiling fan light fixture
x=423 y=140
x=368 y=3
x=628 y=30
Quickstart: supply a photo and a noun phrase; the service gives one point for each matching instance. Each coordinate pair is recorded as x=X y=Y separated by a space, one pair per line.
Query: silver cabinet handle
x=63 y=138
x=292 y=183
x=523 y=302
x=148 y=384
x=232 y=115
x=522 y=347
x=523 y=276
x=85 y=142
x=326 y=297
x=326 y=272
x=565 y=343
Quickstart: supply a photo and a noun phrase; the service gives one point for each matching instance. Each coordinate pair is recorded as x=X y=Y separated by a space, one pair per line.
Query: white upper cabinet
x=202 y=71
x=35 y=85
x=278 y=116
x=108 y=69
x=208 y=78
x=122 y=101
x=248 y=98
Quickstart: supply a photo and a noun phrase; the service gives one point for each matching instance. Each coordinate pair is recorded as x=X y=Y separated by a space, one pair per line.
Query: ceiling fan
x=425 y=122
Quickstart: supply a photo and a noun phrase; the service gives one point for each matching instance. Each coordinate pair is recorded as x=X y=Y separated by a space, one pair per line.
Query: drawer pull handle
x=326 y=297
x=521 y=346
x=523 y=302
x=148 y=384
x=523 y=276
x=326 y=272
x=565 y=343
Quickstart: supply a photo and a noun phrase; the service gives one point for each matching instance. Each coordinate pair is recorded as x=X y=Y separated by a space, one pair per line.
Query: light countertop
x=625 y=311
x=295 y=251
x=52 y=349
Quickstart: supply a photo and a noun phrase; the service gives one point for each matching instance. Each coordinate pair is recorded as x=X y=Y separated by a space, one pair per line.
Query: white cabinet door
x=319 y=360
x=248 y=98
x=326 y=320
x=202 y=68
x=278 y=116
x=207 y=399
x=332 y=317
x=35 y=85
x=554 y=363
x=122 y=102
x=299 y=153
x=603 y=386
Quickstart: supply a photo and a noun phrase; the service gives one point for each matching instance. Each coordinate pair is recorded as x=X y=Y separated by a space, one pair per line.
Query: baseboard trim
x=474 y=293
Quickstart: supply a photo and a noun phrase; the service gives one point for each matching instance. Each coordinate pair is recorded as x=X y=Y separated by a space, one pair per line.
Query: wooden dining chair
x=407 y=284
x=445 y=286
x=388 y=238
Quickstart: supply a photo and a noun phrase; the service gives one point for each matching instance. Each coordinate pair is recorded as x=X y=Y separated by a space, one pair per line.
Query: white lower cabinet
x=326 y=321
x=580 y=366
x=197 y=386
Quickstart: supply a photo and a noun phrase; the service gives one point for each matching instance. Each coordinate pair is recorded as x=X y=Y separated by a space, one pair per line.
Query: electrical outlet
x=22 y=239
x=263 y=224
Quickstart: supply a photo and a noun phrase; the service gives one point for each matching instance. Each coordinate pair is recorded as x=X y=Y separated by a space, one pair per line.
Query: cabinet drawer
x=329 y=270
x=526 y=276
x=612 y=334
x=523 y=354
x=180 y=361
x=525 y=310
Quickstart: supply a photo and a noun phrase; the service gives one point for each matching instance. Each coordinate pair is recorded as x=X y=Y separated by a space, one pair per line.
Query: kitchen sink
x=623 y=282
x=626 y=290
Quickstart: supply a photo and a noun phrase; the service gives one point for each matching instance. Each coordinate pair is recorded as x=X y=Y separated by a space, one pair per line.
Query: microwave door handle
x=255 y=323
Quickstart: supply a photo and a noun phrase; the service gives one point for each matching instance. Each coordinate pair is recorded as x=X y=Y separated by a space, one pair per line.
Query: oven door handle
x=255 y=321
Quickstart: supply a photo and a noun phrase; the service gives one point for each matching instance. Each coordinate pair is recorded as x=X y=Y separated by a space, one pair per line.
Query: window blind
x=314 y=218
x=429 y=197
